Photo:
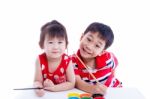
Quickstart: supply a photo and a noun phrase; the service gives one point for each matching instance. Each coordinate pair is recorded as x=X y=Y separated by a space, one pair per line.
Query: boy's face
x=91 y=45
x=54 y=47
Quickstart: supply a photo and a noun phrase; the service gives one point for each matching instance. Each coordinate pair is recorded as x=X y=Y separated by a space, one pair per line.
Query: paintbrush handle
x=87 y=69
x=26 y=88
x=104 y=91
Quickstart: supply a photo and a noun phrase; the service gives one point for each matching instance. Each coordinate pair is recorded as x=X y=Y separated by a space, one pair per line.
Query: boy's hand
x=99 y=88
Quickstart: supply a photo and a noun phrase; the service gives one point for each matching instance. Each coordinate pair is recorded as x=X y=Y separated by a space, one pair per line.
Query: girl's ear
x=81 y=36
x=66 y=50
x=41 y=46
x=67 y=45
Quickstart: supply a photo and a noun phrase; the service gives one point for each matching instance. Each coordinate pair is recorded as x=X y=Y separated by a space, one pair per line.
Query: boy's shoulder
x=106 y=59
x=106 y=54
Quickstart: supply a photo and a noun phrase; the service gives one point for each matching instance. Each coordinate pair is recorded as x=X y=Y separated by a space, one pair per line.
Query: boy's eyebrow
x=100 y=42
x=90 y=35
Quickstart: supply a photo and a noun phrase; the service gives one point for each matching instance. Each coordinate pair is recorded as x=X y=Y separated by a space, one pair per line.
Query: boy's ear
x=102 y=53
x=81 y=36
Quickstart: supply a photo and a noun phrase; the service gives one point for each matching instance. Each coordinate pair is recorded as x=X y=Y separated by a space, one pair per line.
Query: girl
x=54 y=71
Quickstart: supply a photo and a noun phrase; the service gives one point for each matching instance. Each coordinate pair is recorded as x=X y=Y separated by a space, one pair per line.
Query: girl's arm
x=38 y=75
x=38 y=79
x=82 y=85
x=69 y=84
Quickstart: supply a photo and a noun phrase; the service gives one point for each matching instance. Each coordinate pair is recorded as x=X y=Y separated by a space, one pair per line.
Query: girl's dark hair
x=53 y=29
x=104 y=31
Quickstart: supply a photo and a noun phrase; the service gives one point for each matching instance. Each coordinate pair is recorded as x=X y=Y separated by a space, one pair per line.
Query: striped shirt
x=103 y=72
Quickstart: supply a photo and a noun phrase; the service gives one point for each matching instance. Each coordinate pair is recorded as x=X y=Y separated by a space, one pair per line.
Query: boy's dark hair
x=105 y=32
x=53 y=29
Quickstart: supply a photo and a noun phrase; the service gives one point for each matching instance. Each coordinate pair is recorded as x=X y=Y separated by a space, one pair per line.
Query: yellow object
x=74 y=95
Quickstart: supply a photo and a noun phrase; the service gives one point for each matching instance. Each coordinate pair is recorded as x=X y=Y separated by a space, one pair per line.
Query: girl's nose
x=55 y=46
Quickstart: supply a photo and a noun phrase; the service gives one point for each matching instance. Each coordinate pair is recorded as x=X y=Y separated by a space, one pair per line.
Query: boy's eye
x=97 y=46
x=88 y=39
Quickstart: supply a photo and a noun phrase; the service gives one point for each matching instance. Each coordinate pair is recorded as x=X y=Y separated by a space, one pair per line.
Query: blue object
x=73 y=98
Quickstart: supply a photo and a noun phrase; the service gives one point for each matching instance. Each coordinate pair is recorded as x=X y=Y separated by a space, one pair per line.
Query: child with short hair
x=101 y=63
x=53 y=68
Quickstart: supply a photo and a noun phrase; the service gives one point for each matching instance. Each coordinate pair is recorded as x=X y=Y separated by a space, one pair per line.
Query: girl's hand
x=48 y=83
x=39 y=92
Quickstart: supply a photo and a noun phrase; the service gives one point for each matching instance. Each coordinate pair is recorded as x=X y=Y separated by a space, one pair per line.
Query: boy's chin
x=83 y=55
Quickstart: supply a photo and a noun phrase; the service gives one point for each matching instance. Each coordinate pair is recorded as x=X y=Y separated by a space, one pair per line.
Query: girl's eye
x=60 y=42
x=50 y=42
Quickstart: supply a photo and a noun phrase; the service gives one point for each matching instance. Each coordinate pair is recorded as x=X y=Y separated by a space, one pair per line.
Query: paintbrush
x=89 y=72
x=27 y=88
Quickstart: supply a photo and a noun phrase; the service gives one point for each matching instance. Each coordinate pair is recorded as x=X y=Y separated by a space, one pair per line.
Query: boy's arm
x=82 y=85
x=69 y=84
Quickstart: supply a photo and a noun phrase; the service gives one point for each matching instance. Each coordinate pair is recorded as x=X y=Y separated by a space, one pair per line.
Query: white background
x=20 y=23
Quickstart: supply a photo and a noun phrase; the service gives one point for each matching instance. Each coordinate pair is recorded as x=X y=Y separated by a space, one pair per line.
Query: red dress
x=59 y=75
x=104 y=71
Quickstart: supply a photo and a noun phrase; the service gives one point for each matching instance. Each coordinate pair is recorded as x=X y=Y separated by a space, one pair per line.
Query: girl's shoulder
x=66 y=56
x=42 y=55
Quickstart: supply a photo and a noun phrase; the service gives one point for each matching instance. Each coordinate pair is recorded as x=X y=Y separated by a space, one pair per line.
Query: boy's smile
x=91 y=45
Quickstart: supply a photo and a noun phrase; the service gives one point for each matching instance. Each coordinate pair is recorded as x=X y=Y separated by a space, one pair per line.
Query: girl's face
x=91 y=45
x=54 y=47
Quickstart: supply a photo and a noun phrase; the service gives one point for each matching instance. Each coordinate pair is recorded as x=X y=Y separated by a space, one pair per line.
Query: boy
x=92 y=52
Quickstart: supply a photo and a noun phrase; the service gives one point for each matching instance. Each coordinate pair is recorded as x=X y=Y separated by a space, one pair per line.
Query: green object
x=86 y=98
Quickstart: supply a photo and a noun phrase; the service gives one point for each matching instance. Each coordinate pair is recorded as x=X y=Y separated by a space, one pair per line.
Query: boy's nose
x=89 y=48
